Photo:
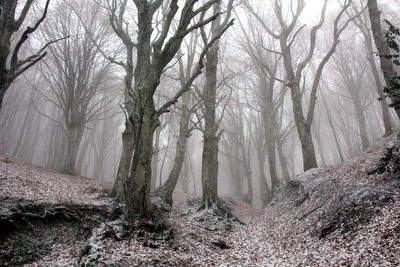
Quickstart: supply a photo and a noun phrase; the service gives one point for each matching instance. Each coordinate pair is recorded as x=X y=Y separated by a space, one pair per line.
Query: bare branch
x=22 y=40
x=198 y=70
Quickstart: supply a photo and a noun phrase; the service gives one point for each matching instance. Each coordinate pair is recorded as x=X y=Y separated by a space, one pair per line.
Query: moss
x=389 y=163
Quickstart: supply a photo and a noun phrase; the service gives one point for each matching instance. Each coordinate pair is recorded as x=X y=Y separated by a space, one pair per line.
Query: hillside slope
x=331 y=216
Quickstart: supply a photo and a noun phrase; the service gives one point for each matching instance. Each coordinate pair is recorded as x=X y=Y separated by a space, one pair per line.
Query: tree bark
x=170 y=184
x=379 y=87
x=138 y=186
x=74 y=137
x=154 y=161
x=152 y=57
x=10 y=65
x=283 y=162
x=124 y=162
x=380 y=43
x=209 y=170
x=304 y=131
x=265 y=192
x=362 y=123
x=271 y=151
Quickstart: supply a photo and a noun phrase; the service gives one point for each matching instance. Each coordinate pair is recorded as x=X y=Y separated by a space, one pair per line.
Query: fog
x=295 y=88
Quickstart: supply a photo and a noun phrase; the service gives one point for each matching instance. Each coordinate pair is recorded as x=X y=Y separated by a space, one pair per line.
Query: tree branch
x=198 y=70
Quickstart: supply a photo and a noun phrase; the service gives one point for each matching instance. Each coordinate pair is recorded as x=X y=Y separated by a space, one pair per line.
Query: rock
x=354 y=207
x=220 y=243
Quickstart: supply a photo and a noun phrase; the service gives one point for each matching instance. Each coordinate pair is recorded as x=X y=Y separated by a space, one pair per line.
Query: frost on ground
x=334 y=216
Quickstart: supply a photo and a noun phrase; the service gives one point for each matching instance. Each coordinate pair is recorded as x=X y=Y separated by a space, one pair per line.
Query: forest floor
x=331 y=216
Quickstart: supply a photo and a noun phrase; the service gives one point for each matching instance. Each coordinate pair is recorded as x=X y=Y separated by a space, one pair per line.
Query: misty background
x=67 y=111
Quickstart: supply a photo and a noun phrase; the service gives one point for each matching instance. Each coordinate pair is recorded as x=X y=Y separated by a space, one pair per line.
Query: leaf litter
x=332 y=216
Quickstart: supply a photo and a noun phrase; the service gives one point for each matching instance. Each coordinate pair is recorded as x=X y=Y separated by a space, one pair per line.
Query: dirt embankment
x=331 y=216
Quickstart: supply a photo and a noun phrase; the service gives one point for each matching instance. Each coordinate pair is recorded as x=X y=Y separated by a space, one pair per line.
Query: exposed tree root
x=218 y=208
x=28 y=230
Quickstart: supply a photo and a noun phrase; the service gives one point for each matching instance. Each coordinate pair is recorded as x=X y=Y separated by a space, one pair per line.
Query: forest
x=199 y=132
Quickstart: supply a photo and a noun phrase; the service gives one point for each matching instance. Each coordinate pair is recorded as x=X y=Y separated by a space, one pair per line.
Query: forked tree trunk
x=138 y=186
x=152 y=57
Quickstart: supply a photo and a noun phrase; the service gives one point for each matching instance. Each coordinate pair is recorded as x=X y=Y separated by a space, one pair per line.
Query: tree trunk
x=209 y=170
x=379 y=87
x=74 y=138
x=271 y=154
x=139 y=183
x=4 y=84
x=6 y=34
x=124 y=162
x=265 y=192
x=319 y=142
x=235 y=172
x=362 y=124
x=81 y=156
x=330 y=121
x=304 y=131
x=380 y=43
x=170 y=184
x=185 y=173
x=154 y=161
x=283 y=162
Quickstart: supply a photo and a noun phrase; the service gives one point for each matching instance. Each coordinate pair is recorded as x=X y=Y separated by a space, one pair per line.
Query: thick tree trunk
x=139 y=183
x=3 y=88
x=5 y=45
x=380 y=43
x=74 y=138
x=81 y=156
x=170 y=184
x=124 y=162
x=4 y=82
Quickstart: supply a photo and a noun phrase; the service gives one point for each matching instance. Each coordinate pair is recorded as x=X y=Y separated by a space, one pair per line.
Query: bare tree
x=239 y=133
x=75 y=72
x=354 y=80
x=184 y=130
x=11 y=66
x=153 y=54
x=286 y=36
x=211 y=135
